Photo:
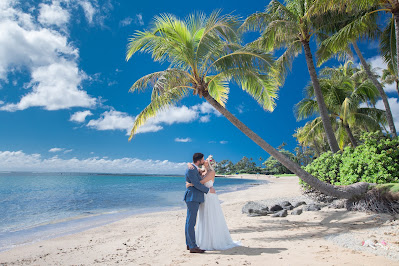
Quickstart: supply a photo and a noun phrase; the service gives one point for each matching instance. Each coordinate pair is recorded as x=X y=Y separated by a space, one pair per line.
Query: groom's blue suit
x=193 y=197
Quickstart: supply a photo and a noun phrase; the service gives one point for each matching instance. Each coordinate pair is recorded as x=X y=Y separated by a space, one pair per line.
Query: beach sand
x=158 y=238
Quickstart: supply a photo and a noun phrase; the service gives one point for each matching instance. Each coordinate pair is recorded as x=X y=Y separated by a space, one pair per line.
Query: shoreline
x=158 y=238
x=81 y=223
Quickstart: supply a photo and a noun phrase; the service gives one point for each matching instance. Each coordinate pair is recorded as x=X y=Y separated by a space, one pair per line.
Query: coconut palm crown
x=291 y=26
x=347 y=95
x=204 y=55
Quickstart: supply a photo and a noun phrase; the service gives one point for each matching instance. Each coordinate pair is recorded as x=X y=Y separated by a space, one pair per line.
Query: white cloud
x=56 y=149
x=174 y=115
x=206 y=108
x=223 y=142
x=394 y=104
x=68 y=151
x=112 y=120
x=139 y=19
x=49 y=58
x=115 y=120
x=53 y=14
x=205 y=119
x=1 y=102
x=182 y=140
x=378 y=64
x=80 y=116
x=20 y=161
x=55 y=87
x=89 y=10
x=126 y=22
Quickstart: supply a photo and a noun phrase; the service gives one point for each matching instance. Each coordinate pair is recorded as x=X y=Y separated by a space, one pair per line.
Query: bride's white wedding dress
x=211 y=232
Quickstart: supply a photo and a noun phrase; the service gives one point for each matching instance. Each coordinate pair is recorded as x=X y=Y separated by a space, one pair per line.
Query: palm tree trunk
x=350 y=135
x=379 y=88
x=332 y=141
x=397 y=86
x=346 y=192
x=396 y=19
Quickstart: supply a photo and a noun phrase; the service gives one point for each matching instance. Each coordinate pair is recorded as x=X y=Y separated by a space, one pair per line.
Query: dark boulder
x=275 y=208
x=282 y=213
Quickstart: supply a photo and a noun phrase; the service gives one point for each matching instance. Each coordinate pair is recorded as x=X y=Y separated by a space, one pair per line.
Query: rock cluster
x=281 y=209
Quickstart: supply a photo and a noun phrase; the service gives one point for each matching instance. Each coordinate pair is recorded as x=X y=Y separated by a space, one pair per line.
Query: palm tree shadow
x=250 y=251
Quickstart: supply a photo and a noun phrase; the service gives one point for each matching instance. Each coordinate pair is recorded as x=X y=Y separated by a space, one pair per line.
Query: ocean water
x=37 y=206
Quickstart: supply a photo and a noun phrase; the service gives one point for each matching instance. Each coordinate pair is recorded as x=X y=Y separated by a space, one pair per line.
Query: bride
x=211 y=232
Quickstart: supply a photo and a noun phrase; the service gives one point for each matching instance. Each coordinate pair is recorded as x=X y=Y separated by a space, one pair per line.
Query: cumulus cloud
x=48 y=56
x=378 y=64
x=223 y=142
x=394 y=104
x=56 y=149
x=182 y=139
x=80 y=116
x=68 y=151
x=20 y=161
x=112 y=120
x=115 y=120
x=53 y=14
x=54 y=87
x=206 y=108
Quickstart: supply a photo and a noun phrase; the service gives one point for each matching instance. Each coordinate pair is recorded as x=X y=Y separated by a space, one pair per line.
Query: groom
x=193 y=198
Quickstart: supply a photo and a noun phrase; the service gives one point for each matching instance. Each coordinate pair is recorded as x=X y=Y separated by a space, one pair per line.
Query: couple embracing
x=210 y=232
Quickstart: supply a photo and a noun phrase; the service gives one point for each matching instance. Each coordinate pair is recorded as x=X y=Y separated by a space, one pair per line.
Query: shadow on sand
x=248 y=251
x=329 y=223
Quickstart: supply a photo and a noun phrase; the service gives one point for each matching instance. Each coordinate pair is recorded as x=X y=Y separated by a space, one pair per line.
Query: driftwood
x=376 y=200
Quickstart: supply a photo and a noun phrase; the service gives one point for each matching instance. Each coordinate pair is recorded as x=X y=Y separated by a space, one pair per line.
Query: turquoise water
x=36 y=206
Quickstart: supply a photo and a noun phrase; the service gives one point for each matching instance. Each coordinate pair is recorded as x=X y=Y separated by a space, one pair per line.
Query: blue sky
x=64 y=101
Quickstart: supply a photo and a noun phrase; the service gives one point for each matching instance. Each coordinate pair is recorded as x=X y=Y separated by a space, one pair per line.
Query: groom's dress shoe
x=196 y=250
x=188 y=248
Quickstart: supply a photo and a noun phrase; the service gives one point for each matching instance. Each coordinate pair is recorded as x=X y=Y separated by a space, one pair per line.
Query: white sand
x=158 y=238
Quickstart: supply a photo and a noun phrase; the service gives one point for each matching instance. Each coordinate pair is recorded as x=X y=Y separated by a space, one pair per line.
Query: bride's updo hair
x=197 y=157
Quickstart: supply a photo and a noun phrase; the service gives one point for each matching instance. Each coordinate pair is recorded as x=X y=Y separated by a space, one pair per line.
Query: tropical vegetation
x=206 y=54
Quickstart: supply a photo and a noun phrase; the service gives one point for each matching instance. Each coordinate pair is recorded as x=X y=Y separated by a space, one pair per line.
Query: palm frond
x=157 y=105
x=218 y=88
x=157 y=79
x=388 y=46
x=306 y=108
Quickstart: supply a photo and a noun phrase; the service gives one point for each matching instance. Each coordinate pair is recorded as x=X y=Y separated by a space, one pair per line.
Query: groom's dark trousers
x=193 y=197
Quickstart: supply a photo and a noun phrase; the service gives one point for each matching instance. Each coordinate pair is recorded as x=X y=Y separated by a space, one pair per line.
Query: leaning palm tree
x=345 y=97
x=292 y=26
x=204 y=56
x=360 y=23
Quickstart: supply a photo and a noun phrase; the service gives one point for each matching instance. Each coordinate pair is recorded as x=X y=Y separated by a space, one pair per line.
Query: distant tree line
x=270 y=166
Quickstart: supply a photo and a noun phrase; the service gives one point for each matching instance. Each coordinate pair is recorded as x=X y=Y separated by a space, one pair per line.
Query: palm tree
x=388 y=50
x=291 y=26
x=361 y=22
x=204 y=57
x=312 y=135
x=344 y=92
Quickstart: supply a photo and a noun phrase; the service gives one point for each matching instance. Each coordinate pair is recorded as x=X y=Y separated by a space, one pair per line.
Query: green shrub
x=326 y=167
x=375 y=161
